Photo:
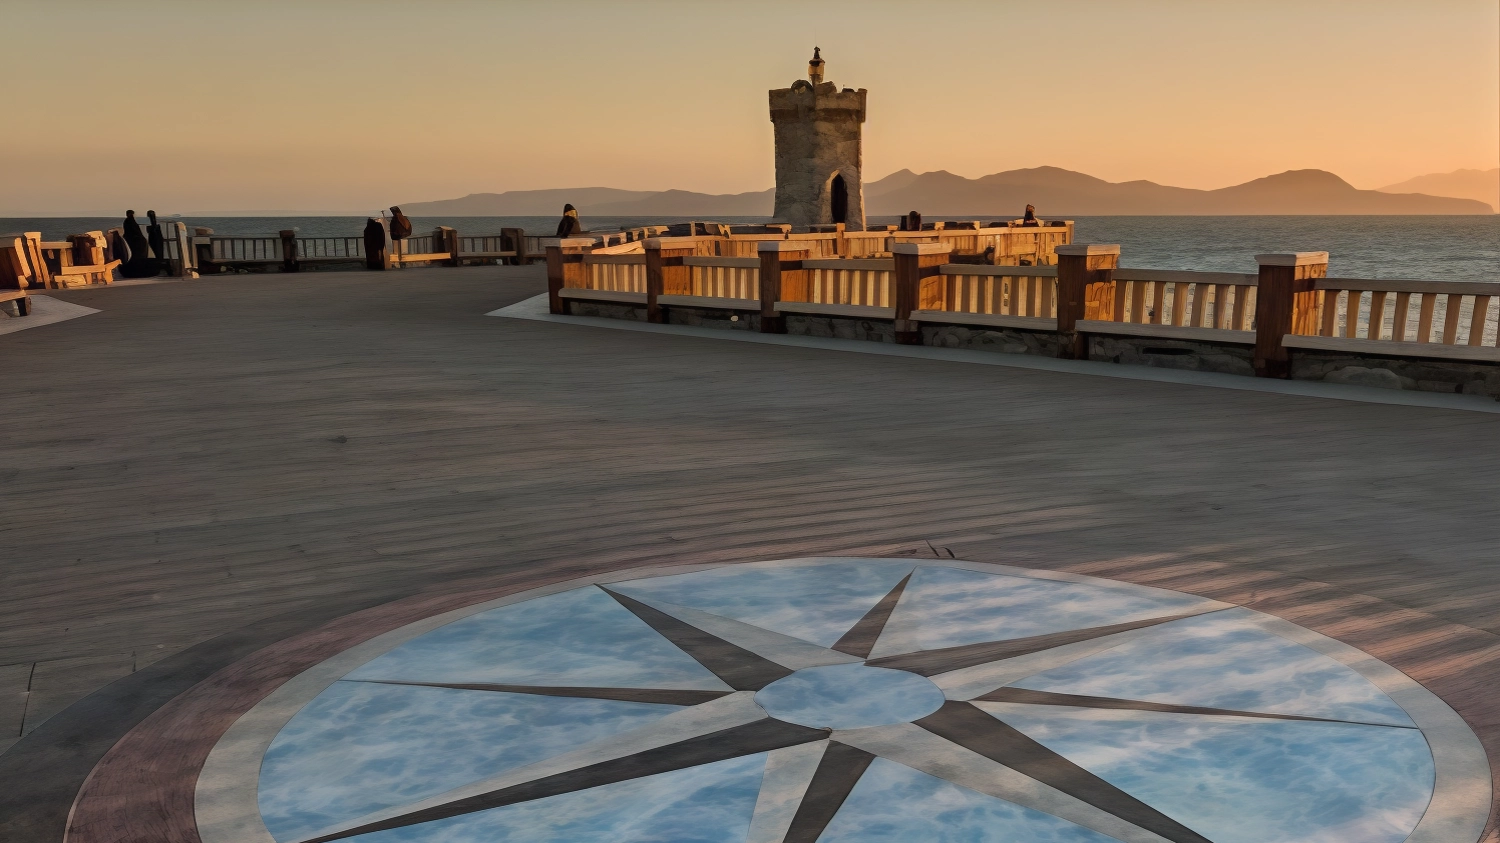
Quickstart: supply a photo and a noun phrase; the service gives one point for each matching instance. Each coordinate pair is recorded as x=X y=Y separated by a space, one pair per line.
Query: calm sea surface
x=1427 y=247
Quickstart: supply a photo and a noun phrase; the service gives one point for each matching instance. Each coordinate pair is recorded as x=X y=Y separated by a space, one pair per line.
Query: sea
x=1432 y=248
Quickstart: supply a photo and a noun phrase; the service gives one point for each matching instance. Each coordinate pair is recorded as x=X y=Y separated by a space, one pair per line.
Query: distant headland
x=1053 y=189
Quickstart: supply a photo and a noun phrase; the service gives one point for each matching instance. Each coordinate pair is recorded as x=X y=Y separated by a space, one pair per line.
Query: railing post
x=1285 y=303
x=781 y=274
x=1085 y=285
x=445 y=239
x=916 y=263
x=289 y=252
x=666 y=273
x=517 y=239
x=185 y=254
x=565 y=269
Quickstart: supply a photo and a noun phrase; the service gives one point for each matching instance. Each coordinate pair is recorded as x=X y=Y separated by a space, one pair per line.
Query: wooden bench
x=80 y=261
x=14 y=276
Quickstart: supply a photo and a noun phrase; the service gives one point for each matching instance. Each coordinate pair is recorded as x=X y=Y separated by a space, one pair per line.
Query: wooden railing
x=725 y=278
x=330 y=248
x=864 y=282
x=245 y=249
x=616 y=273
x=1029 y=291
x=742 y=245
x=1419 y=312
x=420 y=244
x=1246 y=322
x=1218 y=300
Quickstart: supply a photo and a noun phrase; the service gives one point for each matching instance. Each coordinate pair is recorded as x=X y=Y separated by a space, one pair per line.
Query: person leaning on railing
x=400 y=230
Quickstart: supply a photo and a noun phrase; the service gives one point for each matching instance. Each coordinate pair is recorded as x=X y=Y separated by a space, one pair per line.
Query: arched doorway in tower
x=838 y=195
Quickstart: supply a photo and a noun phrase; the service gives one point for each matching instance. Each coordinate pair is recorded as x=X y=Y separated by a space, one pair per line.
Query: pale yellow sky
x=340 y=105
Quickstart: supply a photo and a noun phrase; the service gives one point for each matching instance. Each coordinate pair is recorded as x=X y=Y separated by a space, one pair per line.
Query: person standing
x=140 y=263
x=374 y=244
x=1030 y=217
x=154 y=238
x=400 y=230
x=569 y=226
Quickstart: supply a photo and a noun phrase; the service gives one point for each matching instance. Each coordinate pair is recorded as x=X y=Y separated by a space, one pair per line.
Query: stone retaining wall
x=1224 y=358
x=1453 y=376
x=1398 y=372
x=1002 y=340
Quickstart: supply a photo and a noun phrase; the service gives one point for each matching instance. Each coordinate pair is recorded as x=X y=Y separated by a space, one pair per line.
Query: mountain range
x=1483 y=185
x=1054 y=191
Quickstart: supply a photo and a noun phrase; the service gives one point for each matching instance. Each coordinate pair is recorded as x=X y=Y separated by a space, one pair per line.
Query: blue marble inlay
x=850 y=696
x=578 y=637
x=708 y=804
x=816 y=602
x=361 y=747
x=1220 y=660
x=946 y=607
x=1236 y=780
x=897 y=804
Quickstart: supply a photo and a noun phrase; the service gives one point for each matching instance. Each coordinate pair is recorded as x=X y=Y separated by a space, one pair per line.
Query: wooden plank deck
x=280 y=450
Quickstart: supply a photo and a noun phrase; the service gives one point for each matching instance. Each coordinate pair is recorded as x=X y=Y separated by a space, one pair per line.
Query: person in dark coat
x=569 y=226
x=1030 y=214
x=119 y=250
x=400 y=230
x=400 y=225
x=374 y=244
x=139 y=264
x=154 y=237
x=911 y=222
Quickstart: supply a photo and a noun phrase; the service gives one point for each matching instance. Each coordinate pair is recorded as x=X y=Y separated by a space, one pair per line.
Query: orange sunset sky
x=343 y=106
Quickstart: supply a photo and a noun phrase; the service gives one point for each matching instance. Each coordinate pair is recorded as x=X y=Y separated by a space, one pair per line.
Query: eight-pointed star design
x=825 y=714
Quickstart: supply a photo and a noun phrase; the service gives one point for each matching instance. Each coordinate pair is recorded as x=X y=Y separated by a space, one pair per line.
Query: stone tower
x=819 y=139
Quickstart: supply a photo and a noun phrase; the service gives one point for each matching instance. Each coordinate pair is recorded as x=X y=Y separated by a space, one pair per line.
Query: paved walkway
x=228 y=462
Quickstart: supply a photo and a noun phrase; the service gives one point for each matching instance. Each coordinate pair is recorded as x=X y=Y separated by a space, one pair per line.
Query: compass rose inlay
x=847 y=699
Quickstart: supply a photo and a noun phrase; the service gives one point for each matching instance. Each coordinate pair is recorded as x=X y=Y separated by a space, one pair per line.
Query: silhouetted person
x=569 y=226
x=911 y=222
x=374 y=244
x=153 y=237
x=400 y=230
x=119 y=250
x=139 y=264
x=1030 y=215
x=400 y=225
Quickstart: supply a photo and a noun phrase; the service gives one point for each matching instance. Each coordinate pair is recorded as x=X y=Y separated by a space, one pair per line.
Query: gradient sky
x=338 y=105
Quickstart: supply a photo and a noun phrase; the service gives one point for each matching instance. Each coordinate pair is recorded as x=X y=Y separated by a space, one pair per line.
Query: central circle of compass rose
x=850 y=696
x=844 y=699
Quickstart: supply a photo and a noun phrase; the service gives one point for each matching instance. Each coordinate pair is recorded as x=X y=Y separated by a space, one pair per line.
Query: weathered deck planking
x=200 y=457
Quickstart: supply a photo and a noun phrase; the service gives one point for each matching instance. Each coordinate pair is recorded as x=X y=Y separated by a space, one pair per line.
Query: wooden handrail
x=1388 y=285
x=1007 y=271
x=632 y=259
x=1179 y=276
x=887 y=264
x=742 y=263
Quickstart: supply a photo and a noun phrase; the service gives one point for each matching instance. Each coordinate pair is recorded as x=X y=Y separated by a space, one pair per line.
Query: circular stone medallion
x=844 y=700
x=850 y=696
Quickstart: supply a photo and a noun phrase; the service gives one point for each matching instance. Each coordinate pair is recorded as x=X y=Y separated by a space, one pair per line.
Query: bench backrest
x=14 y=274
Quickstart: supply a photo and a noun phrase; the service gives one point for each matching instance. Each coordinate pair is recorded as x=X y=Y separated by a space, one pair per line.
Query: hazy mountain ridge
x=1480 y=185
x=598 y=201
x=1054 y=191
x=1058 y=192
